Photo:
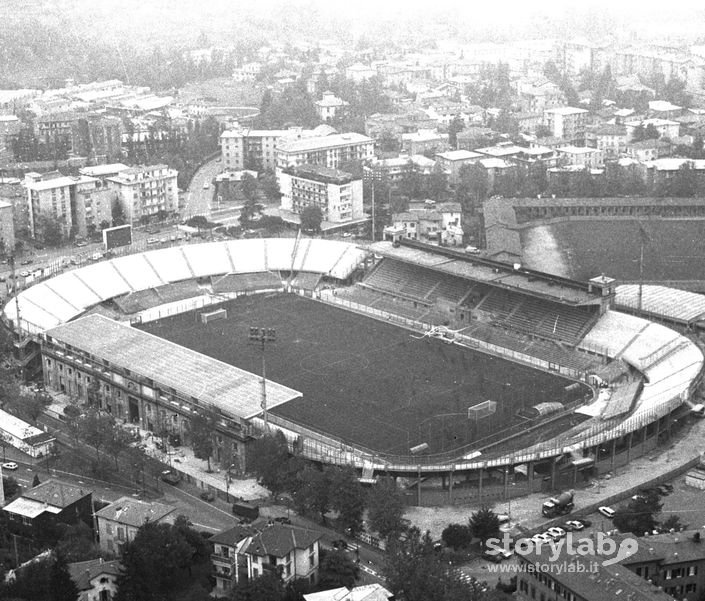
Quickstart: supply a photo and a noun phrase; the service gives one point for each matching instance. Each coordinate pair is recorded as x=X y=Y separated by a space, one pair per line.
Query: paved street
x=199 y=200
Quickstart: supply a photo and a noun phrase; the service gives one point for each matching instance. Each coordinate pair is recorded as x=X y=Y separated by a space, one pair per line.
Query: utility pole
x=263 y=336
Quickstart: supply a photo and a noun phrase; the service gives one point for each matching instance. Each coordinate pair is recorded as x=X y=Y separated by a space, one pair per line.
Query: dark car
x=282 y=520
x=493 y=557
x=171 y=477
x=26 y=262
x=208 y=495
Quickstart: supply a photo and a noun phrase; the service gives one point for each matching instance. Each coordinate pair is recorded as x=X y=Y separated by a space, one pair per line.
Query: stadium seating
x=177 y=291
x=306 y=280
x=138 y=301
x=247 y=282
x=450 y=288
x=499 y=304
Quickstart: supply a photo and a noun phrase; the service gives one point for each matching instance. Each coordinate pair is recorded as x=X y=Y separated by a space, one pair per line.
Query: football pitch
x=370 y=383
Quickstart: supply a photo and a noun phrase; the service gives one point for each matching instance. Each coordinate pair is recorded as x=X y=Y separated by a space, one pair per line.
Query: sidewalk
x=526 y=511
x=181 y=459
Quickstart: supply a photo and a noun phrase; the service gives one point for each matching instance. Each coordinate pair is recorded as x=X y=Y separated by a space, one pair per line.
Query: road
x=199 y=200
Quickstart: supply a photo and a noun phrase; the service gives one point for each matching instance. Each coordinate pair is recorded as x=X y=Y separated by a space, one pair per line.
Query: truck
x=246 y=511
x=559 y=505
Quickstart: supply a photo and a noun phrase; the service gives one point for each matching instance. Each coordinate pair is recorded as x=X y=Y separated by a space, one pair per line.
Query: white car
x=206 y=185
x=10 y=465
x=152 y=240
x=556 y=533
x=608 y=512
x=541 y=538
x=575 y=525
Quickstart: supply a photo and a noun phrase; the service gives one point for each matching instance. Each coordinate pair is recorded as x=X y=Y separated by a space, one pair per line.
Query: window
x=692 y=570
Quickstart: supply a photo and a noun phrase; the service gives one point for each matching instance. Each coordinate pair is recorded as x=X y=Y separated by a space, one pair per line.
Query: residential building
x=10 y=127
x=38 y=510
x=424 y=141
x=609 y=138
x=336 y=193
x=119 y=522
x=566 y=122
x=504 y=151
x=12 y=191
x=453 y=160
x=580 y=156
x=7 y=228
x=76 y=202
x=228 y=558
x=435 y=224
x=582 y=577
x=248 y=72
x=146 y=192
x=665 y=127
x=365 y=592
x=476 y=137
x=56 y=132
x=662 y=109
x=528 y=122
x=359 y=72
x=95 y=579
x=648 y=150
x=331 y=151
x=538 y=95
x=330 y=106
x=290 y=550
x=12 y=101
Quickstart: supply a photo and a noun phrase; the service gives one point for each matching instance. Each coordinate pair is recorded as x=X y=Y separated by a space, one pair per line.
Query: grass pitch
x=368 y=382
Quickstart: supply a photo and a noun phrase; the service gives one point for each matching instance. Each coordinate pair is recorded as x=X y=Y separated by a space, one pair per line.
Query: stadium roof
x=234 y=391
x=661 y=301
x=488 y=271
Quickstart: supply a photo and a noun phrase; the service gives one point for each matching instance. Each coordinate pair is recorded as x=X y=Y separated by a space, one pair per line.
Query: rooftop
x=56 y=493
x=59 y=182
x=320 y=173
x=279 y=540
x=459 y=155
x=18 y=428
x=324 y=142
x=566 y=110
x=99 y=170
x=83 y=572
x=232 y=536
x=133 y=512
x=234 y=391
x=577 y=150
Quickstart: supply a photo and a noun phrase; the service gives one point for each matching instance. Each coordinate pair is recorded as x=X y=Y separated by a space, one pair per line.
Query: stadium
x=423 y=362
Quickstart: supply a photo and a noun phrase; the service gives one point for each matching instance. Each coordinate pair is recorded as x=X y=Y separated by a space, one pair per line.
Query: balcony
x=224 y=559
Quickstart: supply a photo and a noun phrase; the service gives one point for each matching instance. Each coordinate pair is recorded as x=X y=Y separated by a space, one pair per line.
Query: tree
x=639 y=515
x=156 y=564
x=336 y=569
x=270 y=187
x=386 y=508
x=673 y=522
x=347 y=497
x=312 y=494
x=455 y=126
x=61 y=584
x=268 y=459
x=543 y=131
x=50 y=230
x=118 y=214
x=203 y=426
x=416 y=572
x=484 y=524
x=267 y=587
x=456 y=536
x=10 y=487
x=35 y=481
x=249 y=187
x=311 y=218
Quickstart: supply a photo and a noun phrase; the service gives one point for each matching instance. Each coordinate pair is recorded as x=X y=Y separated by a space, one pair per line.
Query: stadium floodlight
x=263 y=336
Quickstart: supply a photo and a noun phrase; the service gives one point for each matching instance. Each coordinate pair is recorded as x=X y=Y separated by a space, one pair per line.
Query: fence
x=177 y=307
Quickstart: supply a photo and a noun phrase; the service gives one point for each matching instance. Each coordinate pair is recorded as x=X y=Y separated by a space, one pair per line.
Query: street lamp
x=263 y=336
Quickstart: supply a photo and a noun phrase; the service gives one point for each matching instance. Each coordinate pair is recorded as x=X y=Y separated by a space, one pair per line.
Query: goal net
x=213 y=315
x=482 y=410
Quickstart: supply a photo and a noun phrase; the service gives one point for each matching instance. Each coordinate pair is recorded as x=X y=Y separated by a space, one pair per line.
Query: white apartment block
x=329 y=151
x=336 y=193
x=76 y=202
x=566 y=122
x=145 y=191
x=248 y=148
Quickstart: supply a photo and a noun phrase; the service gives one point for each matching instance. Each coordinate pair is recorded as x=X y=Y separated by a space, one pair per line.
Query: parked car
x=81 y=243
x=207 y=495
x=573 y=526
x=492 y=556
x=608 y=512
x=556 y=533
x=24 y=273
x=10 y=465
x=26 y=261
x=152 y=240
x=585 y=522
x=171 y=477
x=283 y=520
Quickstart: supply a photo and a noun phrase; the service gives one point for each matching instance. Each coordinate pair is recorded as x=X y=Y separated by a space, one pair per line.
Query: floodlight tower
x=263 y=336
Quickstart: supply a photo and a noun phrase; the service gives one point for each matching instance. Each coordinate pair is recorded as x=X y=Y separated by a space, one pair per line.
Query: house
x=38 y=510
x=228 y=559
x=665 y=127
x=580 y=156
x=452 y=161
x=663 y=109
x=366 y=592
x=648 y=150
x=330 y=106
x=566 y=122
x=95 y=579
x=119 y=522
x=359 y=72
x=424 y=141
x=611 y=139
x=475 y=137
x=527 y=121
x=291 y=550
x=431 y=223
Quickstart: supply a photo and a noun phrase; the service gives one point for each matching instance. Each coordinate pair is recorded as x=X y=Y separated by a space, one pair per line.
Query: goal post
x=208 y=316
x=482 y=410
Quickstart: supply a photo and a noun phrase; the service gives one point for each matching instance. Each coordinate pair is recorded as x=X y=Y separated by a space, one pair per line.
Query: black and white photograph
x=308 y=300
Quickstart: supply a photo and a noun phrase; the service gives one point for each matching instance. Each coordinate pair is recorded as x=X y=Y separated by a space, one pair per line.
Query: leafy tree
x=270 y=187
x=639 y=515
x=203 y=426
x=312 y=494
x=50 y=230
x=10 y=486
x=249 y=187
x=76 y=543
x=543 y=131
x=336 y=569
x=35 y=481
x=311 y=218
x=61 y=584
x=268 y=459
x=32 y=582
x=267 y=587
x=673 y=522
x=386 y=508
x=456 y=536
x=484 y=524
x=455 y=126
x=415 y=572
x=347 y=497
x=156 y=563
x=118 y=214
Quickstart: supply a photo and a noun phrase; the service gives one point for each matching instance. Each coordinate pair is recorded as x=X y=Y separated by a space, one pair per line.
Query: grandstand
x=553 y=324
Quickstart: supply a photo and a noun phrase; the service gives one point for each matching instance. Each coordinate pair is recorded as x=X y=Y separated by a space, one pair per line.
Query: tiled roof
x=133 y=512
x=56 y=493
x=82 y=572
x=232 y=536
x=279 y=540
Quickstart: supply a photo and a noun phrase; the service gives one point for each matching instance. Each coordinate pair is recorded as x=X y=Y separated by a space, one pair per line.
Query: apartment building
x=665 y=127
x=77 y=203
x=228 y=558
x=146 y=192
x=250 y=148
x=611 y=139
x=119 y=522
x=7 y=228
x=566 y=122
x=452 y=161
x=580 y=156
x=424 y=141
x=338 y=194
x=329 y=151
